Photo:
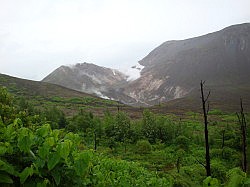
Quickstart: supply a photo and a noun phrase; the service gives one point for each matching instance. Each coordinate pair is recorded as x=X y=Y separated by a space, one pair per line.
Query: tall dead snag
x=205 y=107
x=95 y=141
x=243 y=124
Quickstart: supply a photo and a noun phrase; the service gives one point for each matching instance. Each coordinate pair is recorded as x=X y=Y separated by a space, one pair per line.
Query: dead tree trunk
x=243 y=124
x=178 y=165
x=95 y=141
x=118 y=106
x=205 y=113
x=2 y=117
x=223 y=143
x=223 y=139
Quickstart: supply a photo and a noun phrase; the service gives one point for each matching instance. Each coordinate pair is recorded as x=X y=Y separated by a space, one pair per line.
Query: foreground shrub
x=143 y=147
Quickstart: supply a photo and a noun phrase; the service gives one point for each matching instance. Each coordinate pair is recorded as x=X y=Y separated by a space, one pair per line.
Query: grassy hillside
x=224 y=97
x=42 y=94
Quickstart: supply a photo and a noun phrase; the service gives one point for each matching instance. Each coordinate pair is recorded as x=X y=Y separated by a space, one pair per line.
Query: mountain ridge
x=221 y=57
x=88 y=78
x=174 y=69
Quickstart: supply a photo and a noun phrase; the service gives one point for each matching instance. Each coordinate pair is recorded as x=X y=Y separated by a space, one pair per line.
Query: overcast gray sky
x=37 y=36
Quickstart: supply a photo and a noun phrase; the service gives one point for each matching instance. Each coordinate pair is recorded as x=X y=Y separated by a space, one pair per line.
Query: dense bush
x=143 y=147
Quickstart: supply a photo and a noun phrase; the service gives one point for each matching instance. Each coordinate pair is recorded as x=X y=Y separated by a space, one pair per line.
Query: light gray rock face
x=87 y=78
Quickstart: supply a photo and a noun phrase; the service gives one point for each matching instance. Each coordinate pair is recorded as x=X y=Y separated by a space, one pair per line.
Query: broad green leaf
x=25 y=139
x=75 y=138
x=39 y=163
x=9 y=148
x=64 y=148
x=235 y=180
x=235 y=177
x=44 y=131
x=43 y=151
x=10 y=133
x=50 y=141
x=81 y=163
x=4 y=166
x=3 y=149
x=28 y=171
x=53 y=160
x=4 y=178
x=43 y=184
x=212 y=182
x=55 y=134
x=57 y=176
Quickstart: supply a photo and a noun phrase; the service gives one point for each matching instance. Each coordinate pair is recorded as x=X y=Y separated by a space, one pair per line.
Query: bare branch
x=207 y=96
x=242 y=114
x=208 y=107
x=241 y=106
x=205 y=114
x=242 y=121
x=238 y=116
x=201 y=163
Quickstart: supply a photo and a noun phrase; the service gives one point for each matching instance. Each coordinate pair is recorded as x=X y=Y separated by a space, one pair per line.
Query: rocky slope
x=175 y=68
x=89 y=78
x=171 y=71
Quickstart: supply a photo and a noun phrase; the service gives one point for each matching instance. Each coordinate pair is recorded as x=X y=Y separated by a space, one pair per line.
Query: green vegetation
x=41 y=146
x=45 y=95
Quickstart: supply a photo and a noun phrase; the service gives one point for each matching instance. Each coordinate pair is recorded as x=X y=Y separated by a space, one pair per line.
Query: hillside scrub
x=39 y=149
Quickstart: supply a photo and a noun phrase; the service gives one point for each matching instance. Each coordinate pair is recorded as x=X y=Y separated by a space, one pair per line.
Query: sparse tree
x=6 y=105
x=243 y=124
x=205 y=108
x=149 y=128
x=122 y=128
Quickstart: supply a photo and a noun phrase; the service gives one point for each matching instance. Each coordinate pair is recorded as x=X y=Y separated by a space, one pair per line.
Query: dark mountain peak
x=167 y=51
x=238 y=28
x=175 y=68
